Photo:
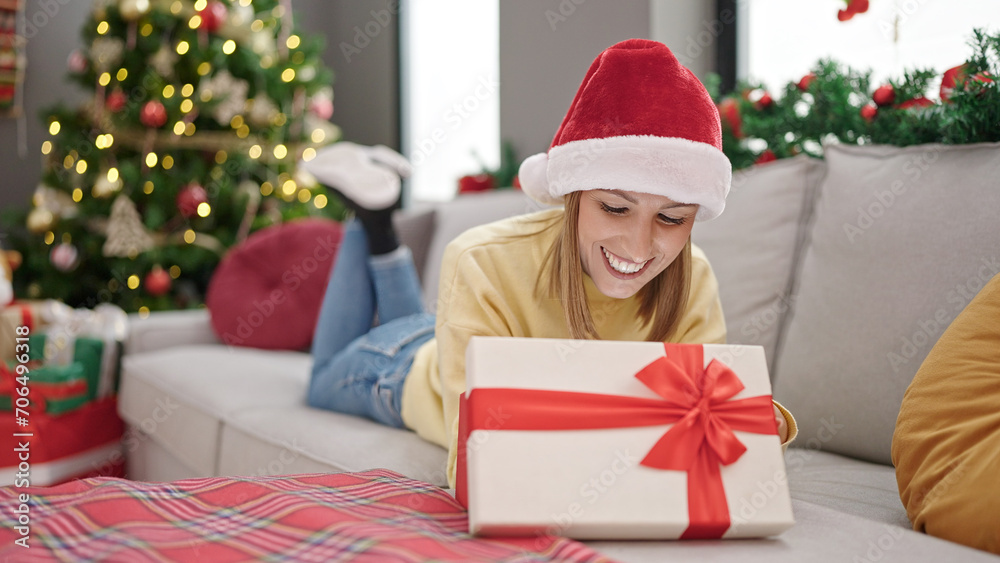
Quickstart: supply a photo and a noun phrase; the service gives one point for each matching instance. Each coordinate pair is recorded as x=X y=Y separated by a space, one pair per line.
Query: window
x=450 y=92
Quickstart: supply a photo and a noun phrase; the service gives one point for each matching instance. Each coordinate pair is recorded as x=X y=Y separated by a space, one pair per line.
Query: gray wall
x=365 y=88
x=51 y=38
x=545 y=49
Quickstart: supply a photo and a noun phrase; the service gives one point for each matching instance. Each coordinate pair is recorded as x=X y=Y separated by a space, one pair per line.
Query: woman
x=636 y=161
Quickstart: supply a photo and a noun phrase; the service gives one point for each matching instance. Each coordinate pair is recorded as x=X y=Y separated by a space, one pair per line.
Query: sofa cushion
x=181 y=396
x=753 y=246
x=947 y=442
x=281 y=440
x=896 y=249
x=461 y=214
x=855 y=487
x=266 y=292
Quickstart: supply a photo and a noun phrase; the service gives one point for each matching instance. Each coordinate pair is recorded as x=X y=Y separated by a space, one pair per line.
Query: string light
x=289 y=187
x=221 y=157
x=229 y=47
x=176 y=7
x=187 y=90
x=46 y=147
x=122 y=75
x=204 y=68
x=266 y=189
x=308 y=154
x=175 y=271
x=280 y=152
x=293 y=41
x=304 y=195
x=81 y=167
x=200 y=5
x=179 y=128
x=255 y=151
x=50 y=237
x=236 y=122
x=147 y=188
x=113 y=174
x=288 y=75
x=146 y=30
x=151 y=159
x=103 y=27
x=54 y=128
x=133 y=282
x=194 y=22
x=168 y=91
x=189 y=130
x=190 y=236
x=187 y=106
x=318 y=135
x=320 y=201
x=168 y=162
x=104 y=79
x=77 y=195
x=204 y=209
x=182 y=47
x=143 y=312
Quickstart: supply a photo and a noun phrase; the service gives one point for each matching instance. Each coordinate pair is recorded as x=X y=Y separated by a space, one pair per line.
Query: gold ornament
x=131 y=10
x=126 y=235
x=40 y=220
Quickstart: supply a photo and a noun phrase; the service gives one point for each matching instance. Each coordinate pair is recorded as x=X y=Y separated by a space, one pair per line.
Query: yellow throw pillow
x=946 y=447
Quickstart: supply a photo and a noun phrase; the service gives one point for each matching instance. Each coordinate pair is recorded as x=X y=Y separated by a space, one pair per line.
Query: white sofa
x=844 y=270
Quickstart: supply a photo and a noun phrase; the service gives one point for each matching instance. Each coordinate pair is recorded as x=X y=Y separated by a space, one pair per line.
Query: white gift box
x=562 y=437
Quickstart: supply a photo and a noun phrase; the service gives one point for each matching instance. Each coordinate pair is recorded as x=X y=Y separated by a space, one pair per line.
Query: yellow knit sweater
x=487 y=288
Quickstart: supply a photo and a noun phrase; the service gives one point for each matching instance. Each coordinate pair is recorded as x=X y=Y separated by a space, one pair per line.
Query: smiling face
x=628 y=238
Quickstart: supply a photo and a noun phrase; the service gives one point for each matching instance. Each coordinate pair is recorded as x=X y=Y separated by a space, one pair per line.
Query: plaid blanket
x=372 y=516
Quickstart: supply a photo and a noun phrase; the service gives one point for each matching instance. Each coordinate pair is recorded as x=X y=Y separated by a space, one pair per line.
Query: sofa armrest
x=168 y=329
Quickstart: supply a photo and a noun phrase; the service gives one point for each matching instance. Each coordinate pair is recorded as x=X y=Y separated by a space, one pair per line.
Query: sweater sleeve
x=703 y=322
x=469 y=305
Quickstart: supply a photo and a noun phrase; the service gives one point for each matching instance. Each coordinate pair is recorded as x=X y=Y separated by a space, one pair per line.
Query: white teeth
x=622 y=266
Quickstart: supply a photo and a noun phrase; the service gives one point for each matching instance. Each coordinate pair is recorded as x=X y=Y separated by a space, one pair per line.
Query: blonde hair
x=661 y=301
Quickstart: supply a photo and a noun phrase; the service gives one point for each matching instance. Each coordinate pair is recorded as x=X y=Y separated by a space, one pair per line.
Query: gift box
x=619 y=440
x=53 y=389
x=86 y=442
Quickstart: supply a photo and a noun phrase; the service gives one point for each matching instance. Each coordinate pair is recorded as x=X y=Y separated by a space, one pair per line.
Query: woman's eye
x=672 y=220
x=614 y=210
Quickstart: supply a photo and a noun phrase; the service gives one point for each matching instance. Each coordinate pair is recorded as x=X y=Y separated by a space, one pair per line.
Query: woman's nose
x=639 y=241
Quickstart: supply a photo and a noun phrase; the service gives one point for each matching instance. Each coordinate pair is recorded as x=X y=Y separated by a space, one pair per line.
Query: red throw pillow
x=267 y=292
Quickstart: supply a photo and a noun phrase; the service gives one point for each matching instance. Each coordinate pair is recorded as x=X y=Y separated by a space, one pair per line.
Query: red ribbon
x=694 y=398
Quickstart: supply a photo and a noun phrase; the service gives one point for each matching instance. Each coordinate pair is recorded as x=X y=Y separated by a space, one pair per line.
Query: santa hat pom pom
x=534 y=179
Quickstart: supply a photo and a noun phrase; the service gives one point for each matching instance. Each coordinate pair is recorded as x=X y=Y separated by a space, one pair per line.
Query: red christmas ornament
x=116 y=101
x=213 y=16
x=157 y=282
x=918 y=102
x=982 y=78
x=868 y=112
x=949 y=79
x=477 y=183
x=765 y=157
x=884 y=95
x=153 y=114
x=729 y=110
x=805 y=81
x=853 y=7
x=764 y=102
x=189 y=198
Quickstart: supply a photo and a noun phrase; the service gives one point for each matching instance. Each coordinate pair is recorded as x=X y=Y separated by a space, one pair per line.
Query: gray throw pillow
x=753 y=246
x=901 y=241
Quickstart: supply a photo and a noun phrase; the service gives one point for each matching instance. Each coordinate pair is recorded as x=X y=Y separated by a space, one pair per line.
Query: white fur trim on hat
x=683 y=170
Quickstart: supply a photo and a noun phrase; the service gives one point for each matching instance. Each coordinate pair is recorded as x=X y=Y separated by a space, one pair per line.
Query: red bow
x=694 y=398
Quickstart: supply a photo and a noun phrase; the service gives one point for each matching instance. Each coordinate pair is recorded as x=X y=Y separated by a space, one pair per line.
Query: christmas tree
x=200 y=111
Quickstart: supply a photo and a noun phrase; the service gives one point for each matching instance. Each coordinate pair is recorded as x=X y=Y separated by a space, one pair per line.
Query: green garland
x=830 y=105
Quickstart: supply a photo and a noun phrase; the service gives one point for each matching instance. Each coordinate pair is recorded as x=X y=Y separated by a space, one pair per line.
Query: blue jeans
x=358 y=369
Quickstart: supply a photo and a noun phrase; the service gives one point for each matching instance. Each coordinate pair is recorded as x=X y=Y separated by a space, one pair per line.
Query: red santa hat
x=640 y=122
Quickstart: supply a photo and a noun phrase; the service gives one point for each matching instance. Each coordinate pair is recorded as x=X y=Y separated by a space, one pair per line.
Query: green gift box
x=89 y=353
x=52 y=389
